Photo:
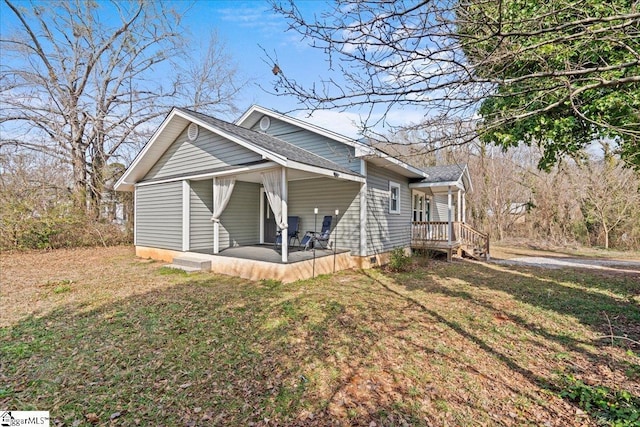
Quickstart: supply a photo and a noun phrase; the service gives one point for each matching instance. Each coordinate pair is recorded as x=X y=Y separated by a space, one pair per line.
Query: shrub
x=399 y=260
x=58 y=230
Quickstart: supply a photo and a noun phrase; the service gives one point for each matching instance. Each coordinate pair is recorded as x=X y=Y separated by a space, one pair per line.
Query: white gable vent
x=265 y=122
x=192 y=132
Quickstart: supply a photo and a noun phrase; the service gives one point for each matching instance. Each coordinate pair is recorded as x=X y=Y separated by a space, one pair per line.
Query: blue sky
x=244 y=26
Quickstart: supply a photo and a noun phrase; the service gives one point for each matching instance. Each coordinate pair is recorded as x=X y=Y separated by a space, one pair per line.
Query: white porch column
x=135 y=215
x=449 y=214
x=285 y=231
x=464 y=207
x=186 y=214
x=216 y=224
x=363 y=210
x=262 y=215
x=459 y=205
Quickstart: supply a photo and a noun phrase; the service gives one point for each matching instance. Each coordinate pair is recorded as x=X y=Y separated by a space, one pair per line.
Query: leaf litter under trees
x=467 y=341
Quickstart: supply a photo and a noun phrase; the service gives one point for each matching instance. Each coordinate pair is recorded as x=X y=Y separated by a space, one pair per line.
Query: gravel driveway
x=562 y=262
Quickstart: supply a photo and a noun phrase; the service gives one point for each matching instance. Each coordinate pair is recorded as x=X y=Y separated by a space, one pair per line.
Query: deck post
x=459 y=205
x=285 y=230
x=464 y=207
x=449 y=209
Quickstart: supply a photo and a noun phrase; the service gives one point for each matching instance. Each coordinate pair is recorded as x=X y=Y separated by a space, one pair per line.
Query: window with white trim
x=394 y=197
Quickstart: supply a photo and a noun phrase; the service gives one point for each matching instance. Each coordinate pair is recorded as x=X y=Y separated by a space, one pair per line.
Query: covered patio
x=262 y=262
x=239 y=213
x=268 y=253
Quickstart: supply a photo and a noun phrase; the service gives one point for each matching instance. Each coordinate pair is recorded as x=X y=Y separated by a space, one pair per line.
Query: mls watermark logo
x=24 y=418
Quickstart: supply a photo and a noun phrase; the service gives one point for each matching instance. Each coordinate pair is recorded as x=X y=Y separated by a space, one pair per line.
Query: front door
x=270 y=227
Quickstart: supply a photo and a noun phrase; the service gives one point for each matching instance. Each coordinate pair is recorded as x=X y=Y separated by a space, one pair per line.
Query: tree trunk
x=79 y=165
x=97 y=186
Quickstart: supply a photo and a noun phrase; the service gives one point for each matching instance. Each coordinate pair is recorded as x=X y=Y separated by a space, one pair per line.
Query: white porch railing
x=444 y=234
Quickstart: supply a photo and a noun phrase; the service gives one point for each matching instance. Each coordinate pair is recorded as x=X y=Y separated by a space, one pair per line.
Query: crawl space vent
x=192 y=132
x=265 y=122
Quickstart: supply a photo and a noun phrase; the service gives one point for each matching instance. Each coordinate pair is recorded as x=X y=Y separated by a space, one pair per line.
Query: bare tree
x=609 y=195
x=555 y=74
x=80 y=81
x=210 y=82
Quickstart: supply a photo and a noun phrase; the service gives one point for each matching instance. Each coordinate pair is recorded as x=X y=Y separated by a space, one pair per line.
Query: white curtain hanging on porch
x=222 y=189
x=272 y=182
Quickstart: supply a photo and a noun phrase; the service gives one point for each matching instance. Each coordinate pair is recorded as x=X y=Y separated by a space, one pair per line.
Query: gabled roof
x=273 y=144
x=255 y=113
x=444 y=173
x=378 y=157
x=269 y=147
x=447 y=175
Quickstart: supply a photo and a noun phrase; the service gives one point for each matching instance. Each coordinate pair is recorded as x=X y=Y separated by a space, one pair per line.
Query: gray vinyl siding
x=240 y=221
x=200 y=225
x=208 y=151
x=328 y=195
x=335 y=151
x=385 y=230
x=439 y=210
x=159 y=215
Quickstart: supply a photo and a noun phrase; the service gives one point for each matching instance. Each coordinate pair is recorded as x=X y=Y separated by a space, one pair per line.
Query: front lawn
x=98 y=337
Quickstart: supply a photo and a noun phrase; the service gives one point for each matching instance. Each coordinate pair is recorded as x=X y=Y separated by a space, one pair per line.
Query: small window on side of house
x=394 y=197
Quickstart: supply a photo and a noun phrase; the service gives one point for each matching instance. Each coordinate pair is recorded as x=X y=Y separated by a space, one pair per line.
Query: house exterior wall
x=240 y=221
x=439 y=209
x=208 y=151
x=158 y=215
x=335 y=151
x=201 y=208
x=328 y=195
x=386 y=231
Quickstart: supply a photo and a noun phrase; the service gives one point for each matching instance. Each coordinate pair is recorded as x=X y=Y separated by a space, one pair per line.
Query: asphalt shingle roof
x=445 y=173
x=270 y=143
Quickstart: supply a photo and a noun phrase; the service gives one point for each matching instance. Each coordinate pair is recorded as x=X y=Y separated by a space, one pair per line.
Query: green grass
x=457 y=344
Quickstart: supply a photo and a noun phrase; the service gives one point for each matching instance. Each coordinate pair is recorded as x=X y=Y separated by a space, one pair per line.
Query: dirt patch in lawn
x=124 y=342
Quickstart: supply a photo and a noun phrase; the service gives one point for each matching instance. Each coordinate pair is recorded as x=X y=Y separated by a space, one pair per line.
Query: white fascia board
x=197 y=177
x=266 y=154
x=406 y=166
x=326 y=172
x=368 y=152
x=364 y=151
x=466 y=172
x=123 y=183
x=297 y=122
x=361 y=150
x=413 y=171
x=446 y=184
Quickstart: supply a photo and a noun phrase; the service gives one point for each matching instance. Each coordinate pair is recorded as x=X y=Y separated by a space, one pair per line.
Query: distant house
x=221 y=192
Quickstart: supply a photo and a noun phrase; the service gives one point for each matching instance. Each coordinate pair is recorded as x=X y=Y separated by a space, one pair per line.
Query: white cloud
x=347 y=123
x=344 y=123
x=253 y=17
